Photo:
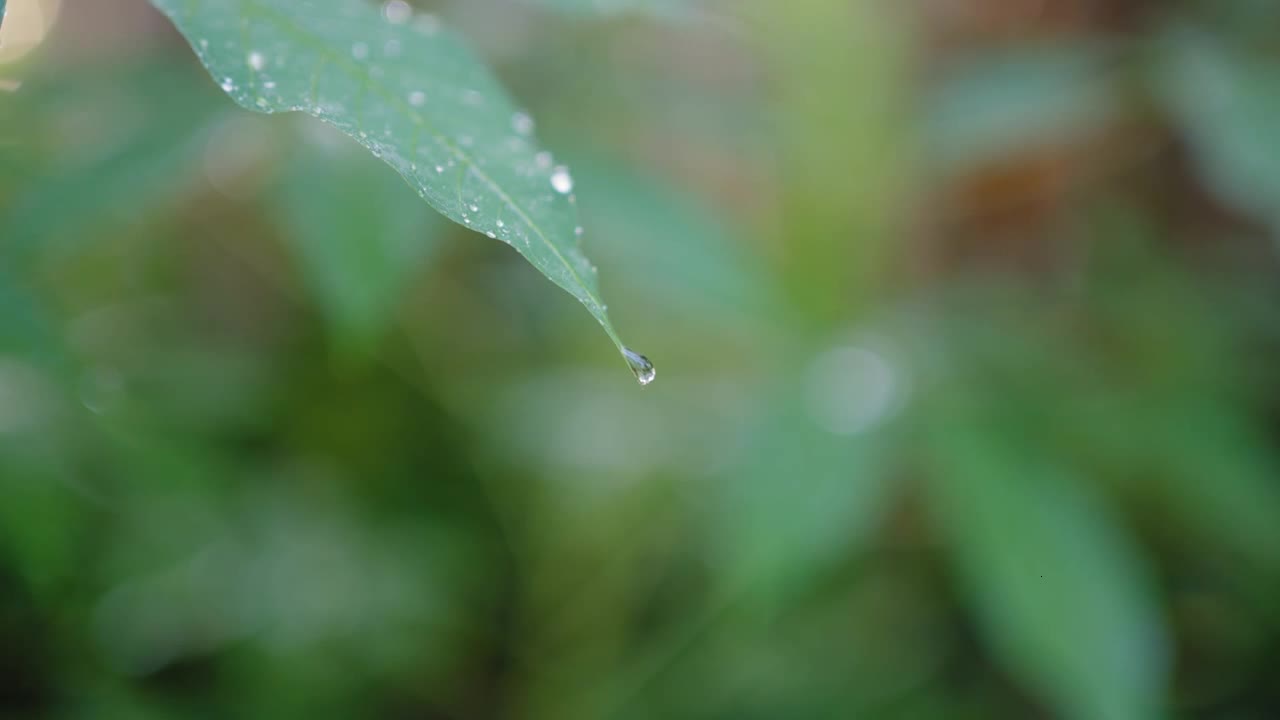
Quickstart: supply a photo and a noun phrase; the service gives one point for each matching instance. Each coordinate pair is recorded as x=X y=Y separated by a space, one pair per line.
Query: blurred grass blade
x=1059 y=589
x=415 y=96
x=358 y=233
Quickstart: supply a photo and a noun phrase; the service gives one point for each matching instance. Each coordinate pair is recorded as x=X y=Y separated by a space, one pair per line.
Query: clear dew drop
x=544 y=160
x=522 y=123
x=561 y=180
x=640 y=366
x=257 y=60
x=360 y=51
x=228 y=85
x=397 y=12
x=417 y=98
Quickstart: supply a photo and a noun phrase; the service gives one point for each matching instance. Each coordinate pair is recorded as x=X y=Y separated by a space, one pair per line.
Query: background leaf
x=679 y=250
x=151 y=156
x=1062 y=595
x=414 y=95
x=803 y=499
x=1226 y=97
x=359 y=234
x=993 y=106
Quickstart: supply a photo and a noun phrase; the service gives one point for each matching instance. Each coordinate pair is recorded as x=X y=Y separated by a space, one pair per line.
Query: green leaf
x=151 y=156
x=359 y=235
x=1006 y=101
x=1227 y=101
x=800 y=500
x=29 y=331
x=414 y=95
x=1061 y=592
x=1219 y=477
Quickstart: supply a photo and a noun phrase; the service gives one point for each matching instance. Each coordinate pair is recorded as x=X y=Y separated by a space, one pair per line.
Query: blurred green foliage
x=965 y=314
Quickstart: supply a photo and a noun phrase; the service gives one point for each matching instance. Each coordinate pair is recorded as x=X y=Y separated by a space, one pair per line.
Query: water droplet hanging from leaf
x=644 y=370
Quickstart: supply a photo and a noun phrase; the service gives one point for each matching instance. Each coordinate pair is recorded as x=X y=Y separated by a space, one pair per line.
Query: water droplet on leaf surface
x=397 y=12
x=522 y=123
x=640 y=366
x=561 y=180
